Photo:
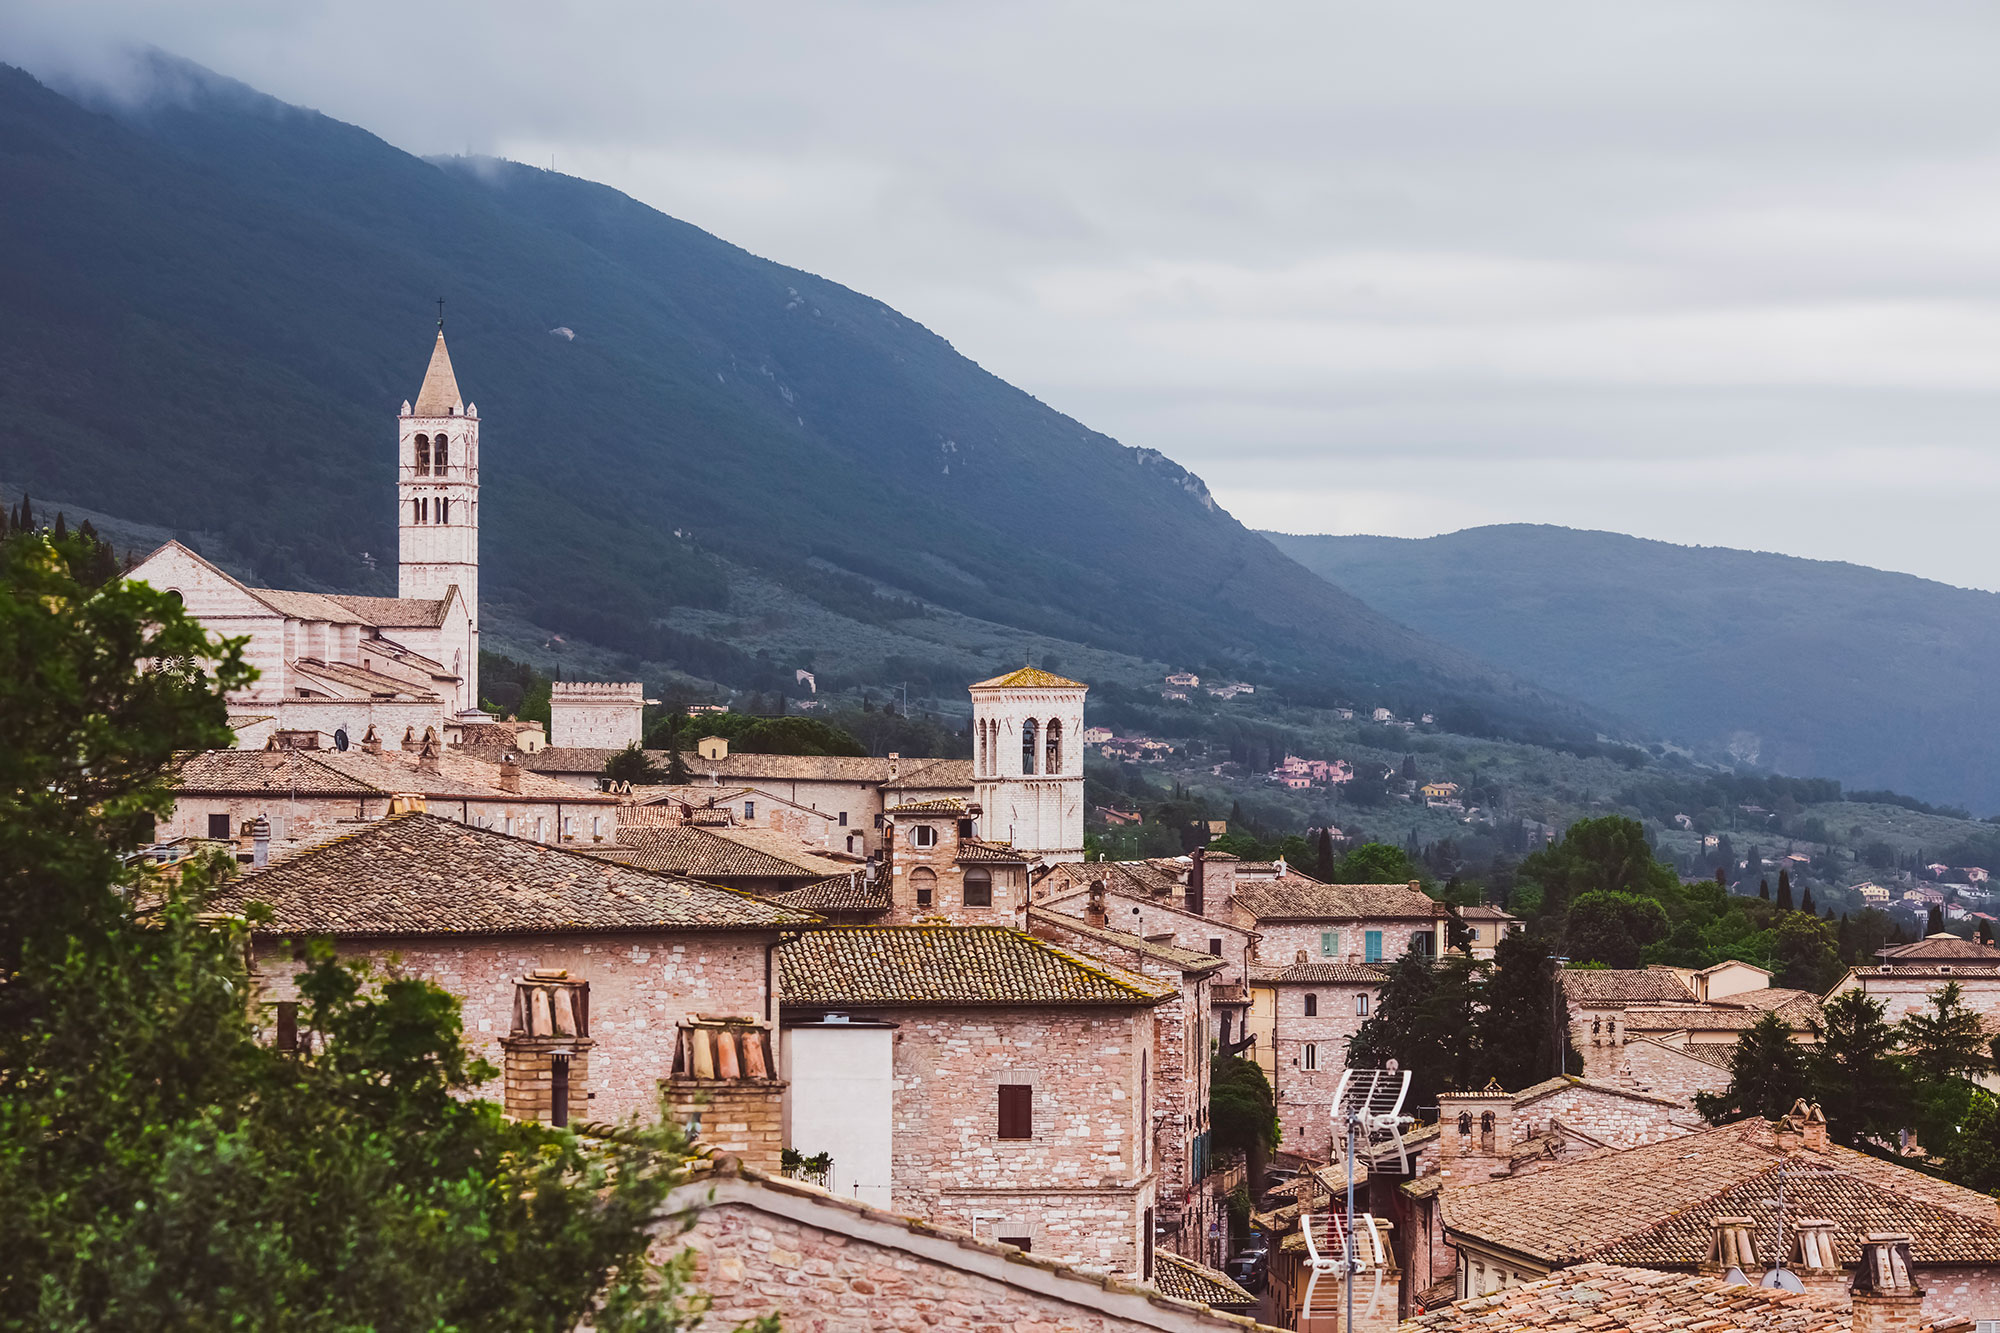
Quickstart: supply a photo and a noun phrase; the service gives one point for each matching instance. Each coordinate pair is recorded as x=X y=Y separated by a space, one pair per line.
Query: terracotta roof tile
x=1603 y=1298
x=1186 y=1280
x=460 y=775
x=1321 y=974
x=1940 y=949
x=1187 y=959
x=421 y=875
x=396 y=612
x=837 y=893
x=1609 y=985
x=861 y=966
x=974 y=849
x=1300 y=899
x=944 y=805
x=1029 y=678
x=705 y=853
x=932 y=774
x=264 y=773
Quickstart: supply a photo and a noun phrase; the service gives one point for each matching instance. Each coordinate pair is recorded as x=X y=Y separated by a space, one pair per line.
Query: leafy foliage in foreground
x=162 y=1168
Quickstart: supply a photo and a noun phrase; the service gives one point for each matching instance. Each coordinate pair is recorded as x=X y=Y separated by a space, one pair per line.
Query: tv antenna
x=1368 y=1103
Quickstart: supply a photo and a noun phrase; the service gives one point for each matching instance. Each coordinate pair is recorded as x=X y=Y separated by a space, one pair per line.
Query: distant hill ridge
x=1810 y=667
x=214 y=303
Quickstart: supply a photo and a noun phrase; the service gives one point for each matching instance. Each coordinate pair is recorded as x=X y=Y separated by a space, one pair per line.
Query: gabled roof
x=1186 y=1280
x=439 y=396
x=372 y=684
x=1610 y=985
x=837 y=893
x=932 y=775
x=1940 y=948
x=1029 y=678
x=1583 y=1208
x=397 y=612
x=896 y=966
x=1188 y=960
x=1325 y=974
x=706 y=853
x=1300 y=899
x=973 y=849
x=421 y=875
x=1603 y=1298
x=263 y=773
x=460 y=776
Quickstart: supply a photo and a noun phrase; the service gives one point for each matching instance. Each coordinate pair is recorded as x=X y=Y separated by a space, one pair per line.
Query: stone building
x=1192 y=1217
x=488 y=917
x=1659 y=1206
x=604 y=715
x=937 y=868
x=750 y=859
x=1310 y=1011
x=308 y=796
x=1014 y=1078
x=1028 y=761
x=770 y=1246
x=1906 y=977
x=329 y=662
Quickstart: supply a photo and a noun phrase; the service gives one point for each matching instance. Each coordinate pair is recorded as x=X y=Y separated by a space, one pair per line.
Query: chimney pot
x=260 y=841
x=1731 y=1244
x=1885 y=1296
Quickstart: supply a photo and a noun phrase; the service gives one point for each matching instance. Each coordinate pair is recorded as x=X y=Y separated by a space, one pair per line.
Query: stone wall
x=1076 y=1188
x=1305 y=1094
x=640 y=987
x=596 y=715
x=1969 y=1292
x=833 y=1266
x=1283 y=941
x=298 y=822
x=1151 y=919
x=946 y=877
x=1901 y=996
x=1664 y=1071
x=1610 y=1116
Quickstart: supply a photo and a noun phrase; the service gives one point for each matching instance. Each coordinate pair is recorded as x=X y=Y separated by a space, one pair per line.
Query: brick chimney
x=725 y=1087
x=1197 y=883
x=410 y=741
x=1886 y=1297
x=1095 y=913
x=1731 y=1244
x=370 y=742
x=1812 y=1257
x=260 y=841
x=427 y=755
x=510 y=773
x=546 y=1053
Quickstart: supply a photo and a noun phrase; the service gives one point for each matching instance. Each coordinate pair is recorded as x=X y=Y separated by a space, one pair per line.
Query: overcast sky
x=1721 y=273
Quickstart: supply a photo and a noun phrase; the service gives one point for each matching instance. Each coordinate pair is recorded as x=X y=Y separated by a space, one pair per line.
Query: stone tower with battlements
x=1027 y=762
x=437 y=496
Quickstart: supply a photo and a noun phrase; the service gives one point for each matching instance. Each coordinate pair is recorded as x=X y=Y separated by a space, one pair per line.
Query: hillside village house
x=1907 y=976
x=983 y=1078
x=936 y=868
x=1712 y=1007
x=1484 y=926
x=623 y=959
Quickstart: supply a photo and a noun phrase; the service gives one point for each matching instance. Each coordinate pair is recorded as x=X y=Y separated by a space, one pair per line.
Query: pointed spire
x=439 y=396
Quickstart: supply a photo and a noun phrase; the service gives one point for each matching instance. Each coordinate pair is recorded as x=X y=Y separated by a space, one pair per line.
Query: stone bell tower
x=1027 y=763
x=437 y=496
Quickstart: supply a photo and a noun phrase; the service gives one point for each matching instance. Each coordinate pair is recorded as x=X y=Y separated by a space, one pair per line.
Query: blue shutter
x=1374 y=946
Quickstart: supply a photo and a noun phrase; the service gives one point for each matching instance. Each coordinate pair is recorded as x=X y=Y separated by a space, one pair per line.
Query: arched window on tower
x=417 y=510
x=1028 y=746
x=423 y=455
x=444 y=510
x=985 y=748
x=440 y=455
x=1052 y=761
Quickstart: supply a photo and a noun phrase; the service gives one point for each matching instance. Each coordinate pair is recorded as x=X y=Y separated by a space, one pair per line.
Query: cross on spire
x=440 y=314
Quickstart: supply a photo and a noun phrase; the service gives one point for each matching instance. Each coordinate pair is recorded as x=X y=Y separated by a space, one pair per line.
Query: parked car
x=1249 y=1268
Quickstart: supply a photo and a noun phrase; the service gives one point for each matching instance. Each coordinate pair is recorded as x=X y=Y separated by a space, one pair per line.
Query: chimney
x=1731 y=1246
x=370 y=742
x=260 y=841
x=1196 y=886
x=510 y=773
x=1812 y=1244
x=1096 y=913
x=409 y=738
x=895 y=765
x=427 y=757
x=1886 y=1298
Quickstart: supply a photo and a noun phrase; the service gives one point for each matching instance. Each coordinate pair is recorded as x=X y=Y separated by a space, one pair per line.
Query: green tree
x=1610 y=854
x=1972 y=1156
x=1806 y=903
x=1323 y=867
x=1377 y=863
x=1805 y=955
x=1934 y=921
x=1613 y=928
x=1856 y=1078
x=1785 y=889
x=1243 y=1113
x=1947 y=1042
x=163 y=1168
x=1767 y=1073
x=1425 y=1019
x=1523 y=1023
x=631 y=765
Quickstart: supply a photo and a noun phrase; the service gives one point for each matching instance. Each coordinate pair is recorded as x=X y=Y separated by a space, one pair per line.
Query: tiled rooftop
x=1584 y=1208
x=706 y=853
x=1029 y=678
x=263 y=773
x=1165 y=951
x=975 y=849
x=422 y=875
x=943 y=805
x=837 y=893
x=1305 y=900
x=1186 y=1280
x=1321 y=974
x=461 y=775
x=862 y=966
x=1596 y=986
x=1605 y=1298
x=1942 y=948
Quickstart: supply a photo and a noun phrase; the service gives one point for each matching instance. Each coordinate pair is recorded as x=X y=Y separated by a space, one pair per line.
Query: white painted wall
x=842 y=1100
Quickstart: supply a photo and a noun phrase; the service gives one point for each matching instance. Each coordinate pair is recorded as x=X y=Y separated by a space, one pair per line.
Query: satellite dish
x=1782 y=1279
x=340 y=738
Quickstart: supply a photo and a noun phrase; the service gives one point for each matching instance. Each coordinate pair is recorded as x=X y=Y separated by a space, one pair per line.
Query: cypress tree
x=1844 y=935
x=62 y=528
x=1806 y=903
x=1325 y=866
x=1764 y=889
x=1934 y=923
x=1784 y=889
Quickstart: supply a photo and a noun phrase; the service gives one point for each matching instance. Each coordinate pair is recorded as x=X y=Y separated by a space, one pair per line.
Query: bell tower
x=437 y=497
x=1027 y=763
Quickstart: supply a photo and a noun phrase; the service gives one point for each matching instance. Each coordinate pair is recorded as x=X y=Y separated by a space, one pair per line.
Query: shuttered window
x=1329 y=944
x=1017 y=1111
x=1374 y=954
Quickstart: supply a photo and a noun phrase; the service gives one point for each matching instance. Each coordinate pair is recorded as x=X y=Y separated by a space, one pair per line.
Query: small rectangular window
x=218 y=826
x=1361 y=1005
x=1215 y=947
x=749 y=810
x=1017 y=1111
x=1374 y=946
x=559 y=1090
x=1311 y=1056
x=843 y=819
x=1021 y=1243
x=1329 y=944
x=288 y=1025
